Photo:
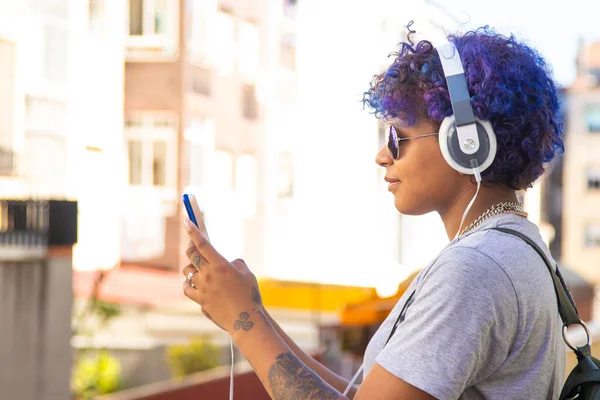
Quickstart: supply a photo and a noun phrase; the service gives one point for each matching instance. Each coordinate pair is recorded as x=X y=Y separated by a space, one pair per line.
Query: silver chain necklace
x=508 y=207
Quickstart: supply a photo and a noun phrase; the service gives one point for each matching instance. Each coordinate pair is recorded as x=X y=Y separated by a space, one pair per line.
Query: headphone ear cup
x=453 y=154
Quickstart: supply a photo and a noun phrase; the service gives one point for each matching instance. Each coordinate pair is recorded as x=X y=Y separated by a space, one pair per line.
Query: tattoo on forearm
x=243 y=322
x=256 y=296
x=290 y=379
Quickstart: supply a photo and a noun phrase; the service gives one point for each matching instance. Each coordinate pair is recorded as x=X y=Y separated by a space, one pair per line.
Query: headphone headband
x=459 y=98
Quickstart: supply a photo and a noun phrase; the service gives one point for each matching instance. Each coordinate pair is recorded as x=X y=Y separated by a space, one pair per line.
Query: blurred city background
x=110 y=110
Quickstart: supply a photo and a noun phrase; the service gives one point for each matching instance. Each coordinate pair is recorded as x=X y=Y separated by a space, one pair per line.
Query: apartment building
x=60 y=135
x=206 y=85
x=61 y=113
x=581 y=169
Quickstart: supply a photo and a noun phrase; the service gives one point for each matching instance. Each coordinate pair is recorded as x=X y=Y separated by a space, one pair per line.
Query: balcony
x=28 y=227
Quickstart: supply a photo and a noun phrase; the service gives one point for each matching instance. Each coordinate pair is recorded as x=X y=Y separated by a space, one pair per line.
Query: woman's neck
x=488 y=196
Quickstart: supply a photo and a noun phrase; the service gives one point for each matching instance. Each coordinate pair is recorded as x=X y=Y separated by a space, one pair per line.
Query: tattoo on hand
x=290 y=379
x=256 y=296
x=196 y=260
x=243 y=322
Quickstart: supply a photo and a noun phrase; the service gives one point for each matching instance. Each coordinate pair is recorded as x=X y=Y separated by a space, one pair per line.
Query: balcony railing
x=33 y=225
x=7 y=162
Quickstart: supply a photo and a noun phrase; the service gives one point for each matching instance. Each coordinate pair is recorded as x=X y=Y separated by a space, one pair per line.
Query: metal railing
x=36 y=224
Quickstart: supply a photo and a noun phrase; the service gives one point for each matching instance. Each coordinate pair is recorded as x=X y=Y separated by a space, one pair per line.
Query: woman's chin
x=406 y=208
x=402 y=207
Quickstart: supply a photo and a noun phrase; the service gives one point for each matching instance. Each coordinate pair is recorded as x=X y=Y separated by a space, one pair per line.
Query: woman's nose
x=383 y=158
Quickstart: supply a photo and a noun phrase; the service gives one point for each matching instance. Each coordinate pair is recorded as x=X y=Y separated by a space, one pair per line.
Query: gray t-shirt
x=483 y=322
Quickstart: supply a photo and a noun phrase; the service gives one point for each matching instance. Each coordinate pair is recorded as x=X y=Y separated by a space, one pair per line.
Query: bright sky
x=552 y=26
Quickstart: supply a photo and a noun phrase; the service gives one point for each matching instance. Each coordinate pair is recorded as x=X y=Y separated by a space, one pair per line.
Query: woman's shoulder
x=463 y=275
x=488 y=254
x=463 y=264
x=502 y=247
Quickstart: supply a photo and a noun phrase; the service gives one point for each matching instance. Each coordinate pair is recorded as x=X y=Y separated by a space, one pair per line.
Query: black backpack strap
x=566 y=305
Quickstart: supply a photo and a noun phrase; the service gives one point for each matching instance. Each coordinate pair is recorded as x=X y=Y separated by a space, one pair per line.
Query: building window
x=159 y=161
x=7 y=162
x=249 y=102
x=201 y=80
x=55 y=53
x=151 y=141
x=136 y=17
x=96 y=15
x=285 y=179
x=197 y=31
x=54 y=8
x=249 y=45
x=592 y=119
x=45 y=115
x=200 y=136
x=7 y=94
x=160 y=16
x=593 y=178
x=592 y=236
x=149 y=17
x=287 y=52
x=149 y=119
x=147 y=162
x=224 y=41
x=246 y=175
x=135 y=162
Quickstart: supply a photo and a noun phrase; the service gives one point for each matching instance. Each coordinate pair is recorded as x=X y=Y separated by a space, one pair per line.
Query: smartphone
x=194 y=213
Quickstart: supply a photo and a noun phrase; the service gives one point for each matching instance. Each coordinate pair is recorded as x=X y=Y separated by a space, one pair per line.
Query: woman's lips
x=393 y=185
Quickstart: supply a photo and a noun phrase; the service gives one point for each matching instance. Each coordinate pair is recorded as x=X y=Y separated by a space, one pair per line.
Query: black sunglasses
x=393 y=145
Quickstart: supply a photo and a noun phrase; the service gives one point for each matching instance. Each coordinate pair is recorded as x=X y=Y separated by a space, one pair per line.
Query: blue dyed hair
x=510 y=85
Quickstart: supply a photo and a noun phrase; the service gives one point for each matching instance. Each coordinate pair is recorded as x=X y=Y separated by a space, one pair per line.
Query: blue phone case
x=188 y=208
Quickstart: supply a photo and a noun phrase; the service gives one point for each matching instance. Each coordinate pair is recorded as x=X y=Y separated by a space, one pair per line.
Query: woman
x=481 y=320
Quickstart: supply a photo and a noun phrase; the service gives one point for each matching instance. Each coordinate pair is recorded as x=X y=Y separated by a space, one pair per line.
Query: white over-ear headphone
x=468 y=144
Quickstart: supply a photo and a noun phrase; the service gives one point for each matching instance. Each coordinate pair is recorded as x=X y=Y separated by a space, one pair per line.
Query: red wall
x=247 y=387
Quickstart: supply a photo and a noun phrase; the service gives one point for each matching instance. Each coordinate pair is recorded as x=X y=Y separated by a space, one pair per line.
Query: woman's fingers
x=203 y=246
x=191 y=292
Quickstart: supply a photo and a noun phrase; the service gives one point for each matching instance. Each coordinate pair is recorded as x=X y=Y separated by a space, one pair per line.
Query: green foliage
x=195 y=356
x=106 y=311
x=97 y=375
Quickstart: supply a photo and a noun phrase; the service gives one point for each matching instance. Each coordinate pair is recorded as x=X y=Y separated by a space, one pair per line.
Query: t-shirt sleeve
x=460 y=327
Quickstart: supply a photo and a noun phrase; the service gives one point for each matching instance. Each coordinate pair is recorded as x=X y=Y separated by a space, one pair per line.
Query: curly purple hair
x=510 y=85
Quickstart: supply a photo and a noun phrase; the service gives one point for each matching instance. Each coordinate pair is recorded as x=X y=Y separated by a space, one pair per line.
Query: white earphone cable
x=353 y=380
x=478 y=179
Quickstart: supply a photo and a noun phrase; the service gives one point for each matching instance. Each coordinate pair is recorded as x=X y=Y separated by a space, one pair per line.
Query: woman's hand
x=226 y=291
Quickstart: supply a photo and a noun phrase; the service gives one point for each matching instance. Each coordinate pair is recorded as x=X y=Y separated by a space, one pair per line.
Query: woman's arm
x=328 y=376
x=229 y=293
x=283 y=373
x=287 y=377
